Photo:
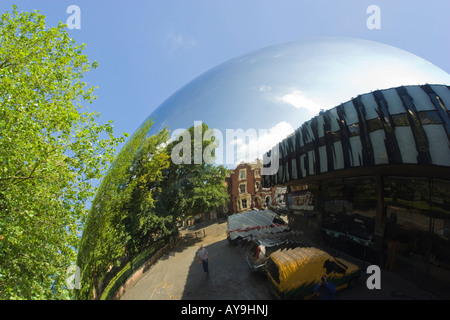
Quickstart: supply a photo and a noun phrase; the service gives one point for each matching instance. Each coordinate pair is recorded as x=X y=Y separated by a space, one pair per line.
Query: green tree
x=51 y=148
x=122 y=220
x=188 y=189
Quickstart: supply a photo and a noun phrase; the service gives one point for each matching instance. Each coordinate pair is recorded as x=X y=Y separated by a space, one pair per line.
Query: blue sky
x=147 y=50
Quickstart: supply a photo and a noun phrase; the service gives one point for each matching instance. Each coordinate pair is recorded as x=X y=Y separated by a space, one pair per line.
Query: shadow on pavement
x=230 y=278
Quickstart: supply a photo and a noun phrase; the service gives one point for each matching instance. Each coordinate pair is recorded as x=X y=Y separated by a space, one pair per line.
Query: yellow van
x=295 y=272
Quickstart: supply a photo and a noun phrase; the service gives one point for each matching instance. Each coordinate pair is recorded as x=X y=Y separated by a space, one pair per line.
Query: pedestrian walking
x=202 y=255
x=325 y=289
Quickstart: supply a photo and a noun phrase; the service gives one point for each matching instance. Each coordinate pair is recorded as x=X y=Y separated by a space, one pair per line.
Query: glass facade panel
x=406 y=144
x=444 y=95
x=429 y=117
x=406 y=222
x=438 y=144
x=349 y=210
x=294 y=169
x=338 y=156
x=416 y=232
x=413 y=225
x=280 y=172
x=356 y=150
x=353 y=130
x=393 y=101
x=400 y=120
x=350 y=113
x=311 y=159
x=302 y=165
x=323 y=159
x=308 y=136
x=300 y=136
x=334 y=120
x=370 y=106
x=320 y=124
x=440 y=228
x=421 y=100
x=379 y=147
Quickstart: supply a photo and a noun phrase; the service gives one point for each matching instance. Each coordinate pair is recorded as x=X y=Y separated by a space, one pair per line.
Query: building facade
x=372 y=177
x=246 y=191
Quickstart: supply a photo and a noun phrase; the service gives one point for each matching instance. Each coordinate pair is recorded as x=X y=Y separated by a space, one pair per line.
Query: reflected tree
x=189 y=189
x=122 y=220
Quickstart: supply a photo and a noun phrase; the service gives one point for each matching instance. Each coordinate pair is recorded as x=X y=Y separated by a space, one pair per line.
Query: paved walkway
x=178 y=275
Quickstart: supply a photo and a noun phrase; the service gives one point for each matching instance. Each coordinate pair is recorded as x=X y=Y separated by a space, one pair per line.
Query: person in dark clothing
x=325 y=289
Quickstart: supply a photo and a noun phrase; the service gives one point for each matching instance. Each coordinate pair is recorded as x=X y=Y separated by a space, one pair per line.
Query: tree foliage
x=189 y=189
x=139 y=202
x=51 y=147
x=122 y=220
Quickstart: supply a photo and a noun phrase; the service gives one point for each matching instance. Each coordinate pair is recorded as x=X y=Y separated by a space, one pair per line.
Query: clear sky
x=147 y=49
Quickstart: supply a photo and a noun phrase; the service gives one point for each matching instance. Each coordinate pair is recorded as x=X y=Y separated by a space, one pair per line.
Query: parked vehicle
x=295 y=272
x=259 y=250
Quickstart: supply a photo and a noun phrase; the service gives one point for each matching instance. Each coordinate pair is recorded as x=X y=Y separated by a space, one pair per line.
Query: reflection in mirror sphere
x=252 y=102
x=279 y=87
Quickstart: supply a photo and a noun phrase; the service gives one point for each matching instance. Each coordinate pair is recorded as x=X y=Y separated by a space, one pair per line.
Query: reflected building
x=372 y=177
x=246 y=192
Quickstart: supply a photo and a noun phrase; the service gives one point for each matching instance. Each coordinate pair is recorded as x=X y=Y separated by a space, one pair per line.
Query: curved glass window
x=394 y=103
x=444 y=95
x=323 y=159
x=370 y=106
x=379 y=146
x=334 y=120
x=338 y=156
x=349 y=211
x=438 y=144
x=417 y=236
x=406 y=144
x=421 y=100
x=350 y=114
x=320 y=127
x=356 y=151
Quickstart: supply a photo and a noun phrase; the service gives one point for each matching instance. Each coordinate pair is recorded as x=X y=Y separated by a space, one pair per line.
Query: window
x=243 y=174
x=417 y=233
x=409 y=221
x=242 y=188
x=257 y=185
x=349 y=210
x=244 y=203
x=257 y=173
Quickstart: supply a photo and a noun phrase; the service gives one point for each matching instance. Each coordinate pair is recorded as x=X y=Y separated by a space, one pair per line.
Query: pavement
x=179 y=276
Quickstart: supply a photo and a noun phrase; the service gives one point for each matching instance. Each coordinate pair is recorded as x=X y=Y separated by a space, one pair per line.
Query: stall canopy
x=254 y=224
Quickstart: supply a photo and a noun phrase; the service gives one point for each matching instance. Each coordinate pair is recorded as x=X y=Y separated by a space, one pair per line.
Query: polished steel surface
x=290 y=83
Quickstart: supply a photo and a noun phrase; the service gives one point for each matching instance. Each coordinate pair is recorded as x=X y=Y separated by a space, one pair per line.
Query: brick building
x=246 y=191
